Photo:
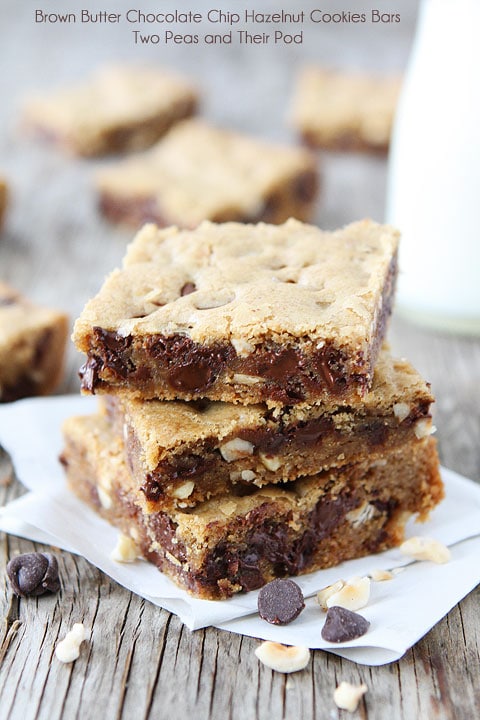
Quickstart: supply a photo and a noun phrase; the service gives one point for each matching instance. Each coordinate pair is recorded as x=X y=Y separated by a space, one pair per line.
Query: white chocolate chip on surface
x=347 y=696
x=126 y=550
x=236 y=449
x=248 y=475
x=283 y=658
x=423 y=548
x=354 y=595
x=68 y=649
x=326 y=592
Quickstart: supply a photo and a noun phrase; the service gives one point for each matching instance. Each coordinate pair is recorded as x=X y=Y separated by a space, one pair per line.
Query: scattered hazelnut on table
x=68 y=649
x=283 y=658
x=347 y=696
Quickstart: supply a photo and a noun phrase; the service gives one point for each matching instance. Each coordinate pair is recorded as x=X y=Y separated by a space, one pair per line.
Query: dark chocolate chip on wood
x=280 y=602
x=342 y=625
x=33 y=574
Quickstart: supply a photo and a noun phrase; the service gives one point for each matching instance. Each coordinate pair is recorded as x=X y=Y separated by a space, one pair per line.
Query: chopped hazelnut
x=104 y=497
x=347 y=696
x=381 y=575
x=401 y=411
x=283 y=658
x=271 y=462
x=422 y=548
x=68 y=649
x=423 y=428
x=236 y=449
x=126 y=550
x=323 y=595
x=354 y=594
x=184 y=490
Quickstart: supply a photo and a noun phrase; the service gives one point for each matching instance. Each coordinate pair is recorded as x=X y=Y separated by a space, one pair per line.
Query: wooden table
x=141 y=662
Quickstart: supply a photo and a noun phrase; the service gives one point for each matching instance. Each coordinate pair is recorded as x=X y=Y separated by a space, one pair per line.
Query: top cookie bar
x=121 y=108
x=345 y=111
x=243 y=313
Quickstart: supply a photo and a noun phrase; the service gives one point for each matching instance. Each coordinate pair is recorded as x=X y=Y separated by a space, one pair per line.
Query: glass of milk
x=433 y=194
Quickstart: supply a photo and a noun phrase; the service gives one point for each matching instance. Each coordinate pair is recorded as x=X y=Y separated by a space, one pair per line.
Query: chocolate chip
x=280 y=602
x=89 y=373
x=342 y=625
x=188 y=288
x=33 y=574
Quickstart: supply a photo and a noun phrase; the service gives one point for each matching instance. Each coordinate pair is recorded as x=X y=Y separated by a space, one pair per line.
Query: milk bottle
x=433 y=194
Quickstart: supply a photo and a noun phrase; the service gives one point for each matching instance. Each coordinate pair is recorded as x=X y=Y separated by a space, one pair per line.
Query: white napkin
x=400 y=610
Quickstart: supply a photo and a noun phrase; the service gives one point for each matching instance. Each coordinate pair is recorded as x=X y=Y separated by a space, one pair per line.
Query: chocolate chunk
x=305 y=187
x=33 y=574
x=89 y=373
x=188 y=288
x=342 y=625
x=280 y=602
x=114 y=350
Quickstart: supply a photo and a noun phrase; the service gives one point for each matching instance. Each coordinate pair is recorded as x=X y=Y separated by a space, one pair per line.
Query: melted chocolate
x=272 y=541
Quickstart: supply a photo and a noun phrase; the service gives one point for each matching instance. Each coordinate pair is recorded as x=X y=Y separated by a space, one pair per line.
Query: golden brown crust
x=317 y=302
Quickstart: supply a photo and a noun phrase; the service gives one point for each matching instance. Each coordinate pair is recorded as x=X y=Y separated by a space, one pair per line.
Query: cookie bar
x=237 y=543
x=184 y=453
x=120 y=108
x=32 y=346
x=3 y=199
x=345 y=111
x=198 y=172
x=242 y=313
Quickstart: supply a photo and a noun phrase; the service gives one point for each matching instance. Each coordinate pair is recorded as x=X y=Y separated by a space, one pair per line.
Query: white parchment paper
x=400 y=611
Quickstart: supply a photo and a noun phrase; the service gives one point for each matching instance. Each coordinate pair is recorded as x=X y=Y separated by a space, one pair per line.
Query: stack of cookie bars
x=251 y=424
